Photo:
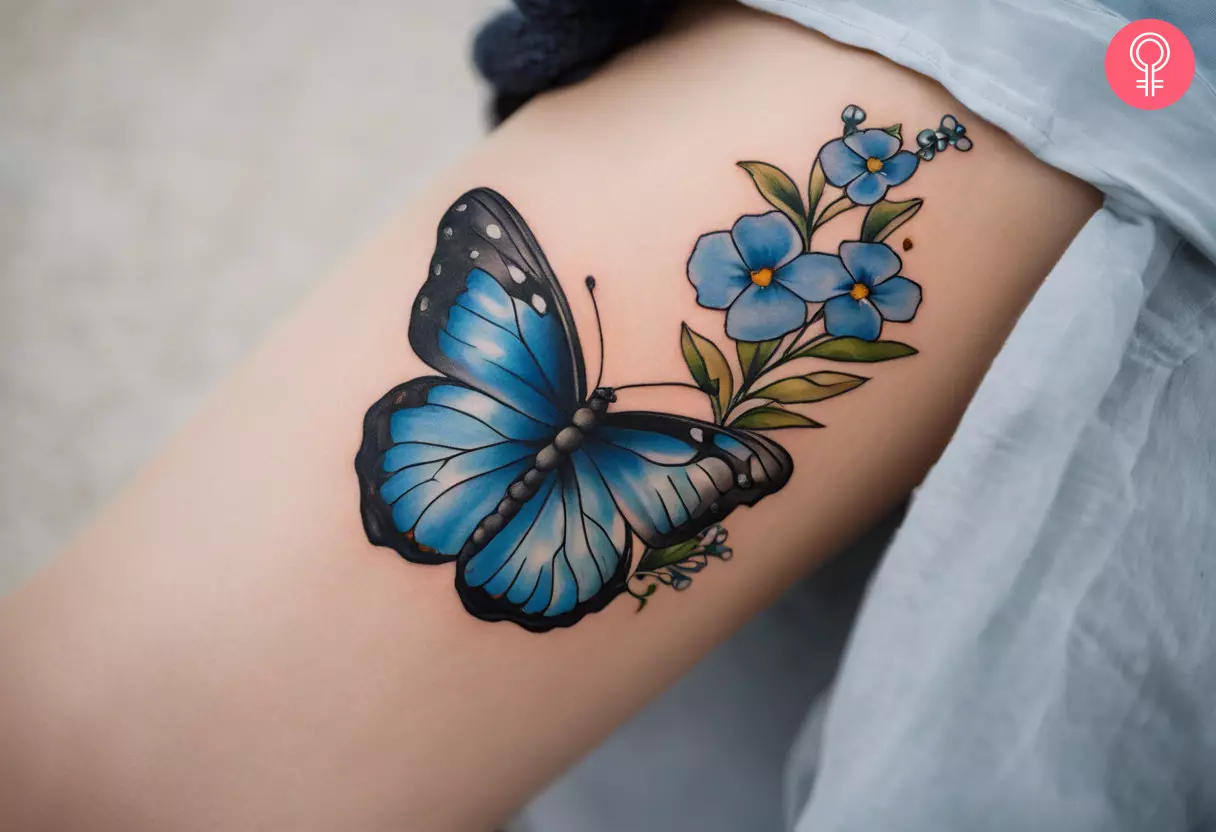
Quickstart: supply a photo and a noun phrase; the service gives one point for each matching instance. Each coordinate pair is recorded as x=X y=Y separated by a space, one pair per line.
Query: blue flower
x=756 y=270
x=862 y=290
x=866 y=163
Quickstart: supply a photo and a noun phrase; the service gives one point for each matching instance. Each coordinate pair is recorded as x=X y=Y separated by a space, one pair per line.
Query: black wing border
x=429 y=311
x=377 y=440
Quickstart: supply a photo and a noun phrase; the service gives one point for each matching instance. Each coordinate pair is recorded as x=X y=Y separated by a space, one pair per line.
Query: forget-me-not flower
x=863 y=288
x=866 y=164
x=758 y=272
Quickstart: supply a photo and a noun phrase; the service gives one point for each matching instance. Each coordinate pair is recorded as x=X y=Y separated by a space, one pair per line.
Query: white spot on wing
x=447 y=232
x=538 y=303
x=478 y=405
x=437 y=269
x=474 y=254
x=697 y=435
x=488 y=348
x=517 y=274
x=461 y=207
x=424 y=304
x=493 y=231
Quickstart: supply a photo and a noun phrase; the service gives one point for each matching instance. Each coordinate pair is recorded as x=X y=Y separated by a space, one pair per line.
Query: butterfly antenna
x=660 y=384
x=599 y=327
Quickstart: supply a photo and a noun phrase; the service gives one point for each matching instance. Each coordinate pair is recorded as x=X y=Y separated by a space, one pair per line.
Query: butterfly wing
x=673 y=476
x=492 y=314
x=437 y=457
x=564 y=555
x=568 y=551
x=438 y=454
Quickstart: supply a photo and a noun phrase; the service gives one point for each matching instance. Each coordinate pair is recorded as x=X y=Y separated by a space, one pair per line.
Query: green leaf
x=812 y=387
x=814 y=190
x=658 y=558
x=709 y=369
x=770 y=417
x=855 y=349
x=780 y=191
x=893 y=130
x=885 y=216
x=753 y=355
x=835 y=209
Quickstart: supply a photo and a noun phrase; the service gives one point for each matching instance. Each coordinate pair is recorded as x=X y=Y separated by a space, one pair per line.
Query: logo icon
x=1150 y=83
x=1150 y=64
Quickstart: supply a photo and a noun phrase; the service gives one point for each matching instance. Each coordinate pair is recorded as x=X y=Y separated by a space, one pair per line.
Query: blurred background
x=174 y=177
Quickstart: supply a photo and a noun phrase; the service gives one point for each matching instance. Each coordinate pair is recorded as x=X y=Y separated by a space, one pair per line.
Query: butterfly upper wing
x=492 y=314
x=565 y=554
x=673 y=476
x=437 y=457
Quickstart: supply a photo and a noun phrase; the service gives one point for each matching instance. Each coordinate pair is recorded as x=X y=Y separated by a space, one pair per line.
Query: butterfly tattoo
x=507 y=464
x=543 y=494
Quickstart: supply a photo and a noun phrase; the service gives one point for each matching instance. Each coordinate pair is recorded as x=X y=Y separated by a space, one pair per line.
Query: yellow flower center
x=873 y=164
x=860 y=291
x=762 y=277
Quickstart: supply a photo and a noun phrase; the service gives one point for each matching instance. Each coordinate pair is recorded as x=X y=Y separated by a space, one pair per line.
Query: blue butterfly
x=505 y=464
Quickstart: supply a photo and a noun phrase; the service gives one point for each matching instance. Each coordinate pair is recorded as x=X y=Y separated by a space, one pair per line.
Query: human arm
x=224 y=648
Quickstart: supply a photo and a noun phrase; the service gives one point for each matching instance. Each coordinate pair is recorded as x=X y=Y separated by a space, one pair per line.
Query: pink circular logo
x=1150 y=64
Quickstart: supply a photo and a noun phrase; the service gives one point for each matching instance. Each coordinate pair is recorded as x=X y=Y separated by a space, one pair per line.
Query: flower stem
x=794 y=344
x=831 y=212
x=790 y=347
x=823 y=336
x=787 y=355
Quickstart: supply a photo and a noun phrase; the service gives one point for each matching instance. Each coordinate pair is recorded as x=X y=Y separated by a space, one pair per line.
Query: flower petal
x=717 y=270
x=815 y=277
x=899 y=168
x=896 y=299
x=845 y=316
x=840 y=164
x=766 y=241
x=867 y=189
x=764 y=312
x=870 y=263
x=872 y=144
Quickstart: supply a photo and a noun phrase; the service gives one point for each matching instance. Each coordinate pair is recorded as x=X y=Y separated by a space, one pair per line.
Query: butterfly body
x=553 y=455
x=504 y=463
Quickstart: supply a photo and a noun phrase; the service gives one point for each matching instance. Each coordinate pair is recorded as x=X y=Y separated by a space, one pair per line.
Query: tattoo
x=509 y=464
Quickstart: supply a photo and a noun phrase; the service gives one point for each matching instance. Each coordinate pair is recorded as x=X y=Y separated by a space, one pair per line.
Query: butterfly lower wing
x=672 y=476
x=565 y=554
x=492 y=314
x=437 y=456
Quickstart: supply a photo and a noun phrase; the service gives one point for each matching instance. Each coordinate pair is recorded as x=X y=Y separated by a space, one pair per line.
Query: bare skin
x=223 y=649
